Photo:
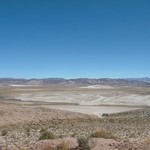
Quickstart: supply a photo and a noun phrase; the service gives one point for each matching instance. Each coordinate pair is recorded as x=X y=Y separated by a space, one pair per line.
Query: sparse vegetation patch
x=100 y=133
x=46 y=135
x=4 y=132
x=83 y=143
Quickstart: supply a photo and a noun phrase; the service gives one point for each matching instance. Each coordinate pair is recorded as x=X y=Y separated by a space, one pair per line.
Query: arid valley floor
x=70 y=117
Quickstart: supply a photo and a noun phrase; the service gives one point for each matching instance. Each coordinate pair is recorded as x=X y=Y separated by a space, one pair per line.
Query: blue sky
x=74 y=38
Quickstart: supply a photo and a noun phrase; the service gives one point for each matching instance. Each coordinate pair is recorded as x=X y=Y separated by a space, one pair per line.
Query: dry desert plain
x=70 y=117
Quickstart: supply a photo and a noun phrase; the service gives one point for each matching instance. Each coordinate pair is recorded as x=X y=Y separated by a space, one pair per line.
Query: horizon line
x=32 y=78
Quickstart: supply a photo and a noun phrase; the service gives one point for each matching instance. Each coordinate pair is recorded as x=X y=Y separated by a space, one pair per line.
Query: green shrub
x=4 y=132
x=27 y=129
x=46 y=135
x=83 y=143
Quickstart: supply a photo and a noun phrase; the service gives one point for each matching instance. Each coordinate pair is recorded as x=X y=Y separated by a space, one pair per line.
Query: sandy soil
x=17 y=113
x=91 y=95
x=26 y=111
x=81 y=99
x=95 y=110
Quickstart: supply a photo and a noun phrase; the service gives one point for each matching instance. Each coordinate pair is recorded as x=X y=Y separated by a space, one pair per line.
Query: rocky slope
x=22 y=127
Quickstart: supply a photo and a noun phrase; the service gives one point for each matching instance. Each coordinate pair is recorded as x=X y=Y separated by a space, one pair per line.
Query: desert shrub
x=47 y=147
x=83 y=143
x=148 y=140
x=22 y=148
x=27 y=129
x=4 y=132
x=46 y=135
x=43 y=130
x=73 y=134
x=62 y=146
x=103 y=134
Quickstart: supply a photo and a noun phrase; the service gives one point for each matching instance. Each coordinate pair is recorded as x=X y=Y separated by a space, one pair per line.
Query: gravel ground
x=131 y=128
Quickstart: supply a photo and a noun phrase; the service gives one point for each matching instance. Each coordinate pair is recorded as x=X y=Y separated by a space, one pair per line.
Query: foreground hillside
x=31 y=127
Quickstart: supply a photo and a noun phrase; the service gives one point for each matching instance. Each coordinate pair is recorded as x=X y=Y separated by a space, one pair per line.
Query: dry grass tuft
x=48 y=147
x=100 y=133
x=63 y=146
x=148 y=140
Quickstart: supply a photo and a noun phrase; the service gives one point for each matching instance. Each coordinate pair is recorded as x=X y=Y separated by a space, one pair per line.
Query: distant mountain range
x=146 y=79
x=80 y=81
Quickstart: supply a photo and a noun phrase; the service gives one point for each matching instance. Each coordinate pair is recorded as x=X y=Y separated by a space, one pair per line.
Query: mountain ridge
x=78 y=81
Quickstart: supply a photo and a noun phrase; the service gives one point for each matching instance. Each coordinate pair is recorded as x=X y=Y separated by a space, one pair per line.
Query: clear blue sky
x=74 y=38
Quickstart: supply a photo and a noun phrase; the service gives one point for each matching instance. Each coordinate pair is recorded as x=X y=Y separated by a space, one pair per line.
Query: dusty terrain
x=26 y=112
x=74 y=97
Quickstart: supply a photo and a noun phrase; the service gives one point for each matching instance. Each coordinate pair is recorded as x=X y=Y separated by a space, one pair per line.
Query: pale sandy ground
x=90 y=95
x=83 y=97
x=17 y=113
x=97 y=87
x=95 y=110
